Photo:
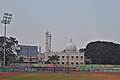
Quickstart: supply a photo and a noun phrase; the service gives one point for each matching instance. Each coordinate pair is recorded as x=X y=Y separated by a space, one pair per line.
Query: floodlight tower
x=6 y=20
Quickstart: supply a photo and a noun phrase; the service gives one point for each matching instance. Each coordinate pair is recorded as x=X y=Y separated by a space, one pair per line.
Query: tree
x=82 y=50
x=47 y=62
x=20 y=59
x=101 y=52
x=11 y=45
x=52 y=59
x=11 y=58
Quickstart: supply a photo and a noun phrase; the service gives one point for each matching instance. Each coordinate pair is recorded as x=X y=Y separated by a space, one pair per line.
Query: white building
x=69 y=57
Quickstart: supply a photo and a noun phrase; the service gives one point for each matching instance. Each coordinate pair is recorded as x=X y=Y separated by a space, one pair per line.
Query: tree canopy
x=20 y=59
x=11 y=45
x=52 y=59
x=101 y=52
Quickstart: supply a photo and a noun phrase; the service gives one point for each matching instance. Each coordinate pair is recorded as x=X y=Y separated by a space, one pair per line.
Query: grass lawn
x=63 y=76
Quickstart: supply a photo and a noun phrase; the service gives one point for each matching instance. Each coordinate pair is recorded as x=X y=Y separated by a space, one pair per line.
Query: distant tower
x=48 y=42
x=71 y=40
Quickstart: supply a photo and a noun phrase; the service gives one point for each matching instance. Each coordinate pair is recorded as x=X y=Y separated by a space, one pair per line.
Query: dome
x=70 y=47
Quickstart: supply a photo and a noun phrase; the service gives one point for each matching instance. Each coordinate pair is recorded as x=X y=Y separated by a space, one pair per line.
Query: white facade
x=68 y=58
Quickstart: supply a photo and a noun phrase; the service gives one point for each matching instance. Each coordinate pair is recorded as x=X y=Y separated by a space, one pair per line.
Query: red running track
x=7 y=74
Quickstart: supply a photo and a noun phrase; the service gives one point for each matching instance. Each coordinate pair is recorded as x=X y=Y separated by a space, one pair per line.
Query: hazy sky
x=82 y=20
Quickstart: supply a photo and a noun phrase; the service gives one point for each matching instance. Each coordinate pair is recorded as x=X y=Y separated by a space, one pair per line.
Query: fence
x=26 y=69
x=85 y=68
x=100 y=68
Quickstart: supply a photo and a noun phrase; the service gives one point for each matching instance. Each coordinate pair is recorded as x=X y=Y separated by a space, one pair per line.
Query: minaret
x=48 y=42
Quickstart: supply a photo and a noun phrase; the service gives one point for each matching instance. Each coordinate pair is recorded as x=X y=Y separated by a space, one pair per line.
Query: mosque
x=69 y=57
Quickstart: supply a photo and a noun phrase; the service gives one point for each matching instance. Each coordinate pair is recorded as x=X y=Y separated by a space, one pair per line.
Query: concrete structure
x=69 y=57
x=30 y=53
x=48 y=42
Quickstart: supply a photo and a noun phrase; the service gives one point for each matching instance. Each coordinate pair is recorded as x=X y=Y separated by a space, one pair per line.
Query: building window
x=72 y=57
x=72 y=63
x=66 y=62
x=76 y=63
x=58 y=63
x=81 y=57
x=76 y=57
x=58 y=56
x=81 y=63
x=49 y=56
x=67 y=56
x=62 y=62
x=63 y=57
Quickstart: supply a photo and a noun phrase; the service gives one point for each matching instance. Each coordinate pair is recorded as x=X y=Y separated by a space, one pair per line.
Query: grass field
x=63 y=76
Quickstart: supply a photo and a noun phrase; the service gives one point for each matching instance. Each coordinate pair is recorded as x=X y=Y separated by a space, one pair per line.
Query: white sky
x=82 y=20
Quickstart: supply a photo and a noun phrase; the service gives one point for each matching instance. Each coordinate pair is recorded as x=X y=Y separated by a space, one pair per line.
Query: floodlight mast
x=6 y=20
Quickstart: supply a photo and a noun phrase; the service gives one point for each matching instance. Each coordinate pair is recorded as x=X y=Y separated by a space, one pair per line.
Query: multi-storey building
x=29 y=53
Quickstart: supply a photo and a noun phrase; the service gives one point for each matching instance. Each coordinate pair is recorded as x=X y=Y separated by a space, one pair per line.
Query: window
x=62 y=56
x=62 y=62
x=58 y=56
x=72 y=57
x=81 y=63
x=76 y=57
x=72 y=63
x=81 y=57
x=67 y=56
x=67 y=63
x=76 y=63
x=58 y=63
x=27 y=59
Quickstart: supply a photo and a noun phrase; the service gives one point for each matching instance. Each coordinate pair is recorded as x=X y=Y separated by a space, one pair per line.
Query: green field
x=62 y=76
